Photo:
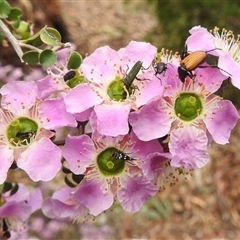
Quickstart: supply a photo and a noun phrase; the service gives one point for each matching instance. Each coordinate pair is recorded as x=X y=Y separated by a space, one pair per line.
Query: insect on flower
x=69 y=75
x=191 y=61
x=24 y=135
x=122 y=156
x=132 y=75
x=159 y=68
x=129 y=78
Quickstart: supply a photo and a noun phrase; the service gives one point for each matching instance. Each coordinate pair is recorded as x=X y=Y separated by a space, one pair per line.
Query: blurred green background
x=177 y=17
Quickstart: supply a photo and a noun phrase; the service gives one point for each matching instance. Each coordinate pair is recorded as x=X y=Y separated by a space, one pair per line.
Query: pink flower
x=189 y=112
x=18 y=207
x=112 y=167
x=55 y=84
x=25 y=126
x=62 y=205
x=226 y=48
x=107 y=91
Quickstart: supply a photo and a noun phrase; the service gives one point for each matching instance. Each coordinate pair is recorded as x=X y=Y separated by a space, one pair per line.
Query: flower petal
x=135 y=192
x=151 y=121
x=79 y=152
x=7 y=158
x=46 y=87
x=221 y=120
x=54 y=115
x=18 y=95
x=138 y=51
x=53 y=208
x=112 y=120
x=151 y=166
x=200 y=38
x=149 y=88
x=93 y=195
x=99 y=67
x=232 y=69
x=188 y=147
x=81 y=98
x=41 y=160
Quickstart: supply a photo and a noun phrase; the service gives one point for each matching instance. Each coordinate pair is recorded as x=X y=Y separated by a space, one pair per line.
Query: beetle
x=122 y=156
x=69 y=75
x=159 y=68
x=129 y=78
x=24 y=135
x=191 y=61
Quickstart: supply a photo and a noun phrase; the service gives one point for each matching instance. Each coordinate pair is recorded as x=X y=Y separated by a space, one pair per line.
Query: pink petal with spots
x=18 y=96
x=79 y=152
x=81 y=98
x=54 y=115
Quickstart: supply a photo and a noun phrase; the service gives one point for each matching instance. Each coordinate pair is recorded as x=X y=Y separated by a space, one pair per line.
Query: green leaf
x=50 y=36
x=15 y=14
x=74 y=61
x=34 y=40
x=47 y=57
x=23 y=31
x=31 y=57
x=5 y=9
x=16 y=23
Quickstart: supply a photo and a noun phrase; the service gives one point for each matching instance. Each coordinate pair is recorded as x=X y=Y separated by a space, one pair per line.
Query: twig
x=12 y=40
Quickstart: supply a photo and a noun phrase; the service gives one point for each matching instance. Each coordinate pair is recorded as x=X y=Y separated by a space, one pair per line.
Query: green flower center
x=108 y=165
x=21 y=130
x=188 y=106
x=117 y=89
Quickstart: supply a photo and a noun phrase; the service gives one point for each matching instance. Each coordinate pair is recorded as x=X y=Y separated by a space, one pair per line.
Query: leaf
x=15 y=14
x=34 y=40
x=50 y=36
x=47 y=57
x=23 y=30
x=5 y=9
x=31 y=57
x=74 y=61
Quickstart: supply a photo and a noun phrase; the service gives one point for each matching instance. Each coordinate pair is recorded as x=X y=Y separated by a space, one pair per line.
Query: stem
x=12 y=40
x=29 y=46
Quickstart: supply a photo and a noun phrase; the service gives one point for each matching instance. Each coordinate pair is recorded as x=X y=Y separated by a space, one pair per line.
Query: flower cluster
x=124 y=124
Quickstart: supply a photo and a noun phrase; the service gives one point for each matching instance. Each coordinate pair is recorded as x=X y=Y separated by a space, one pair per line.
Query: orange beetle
x=191 y=61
